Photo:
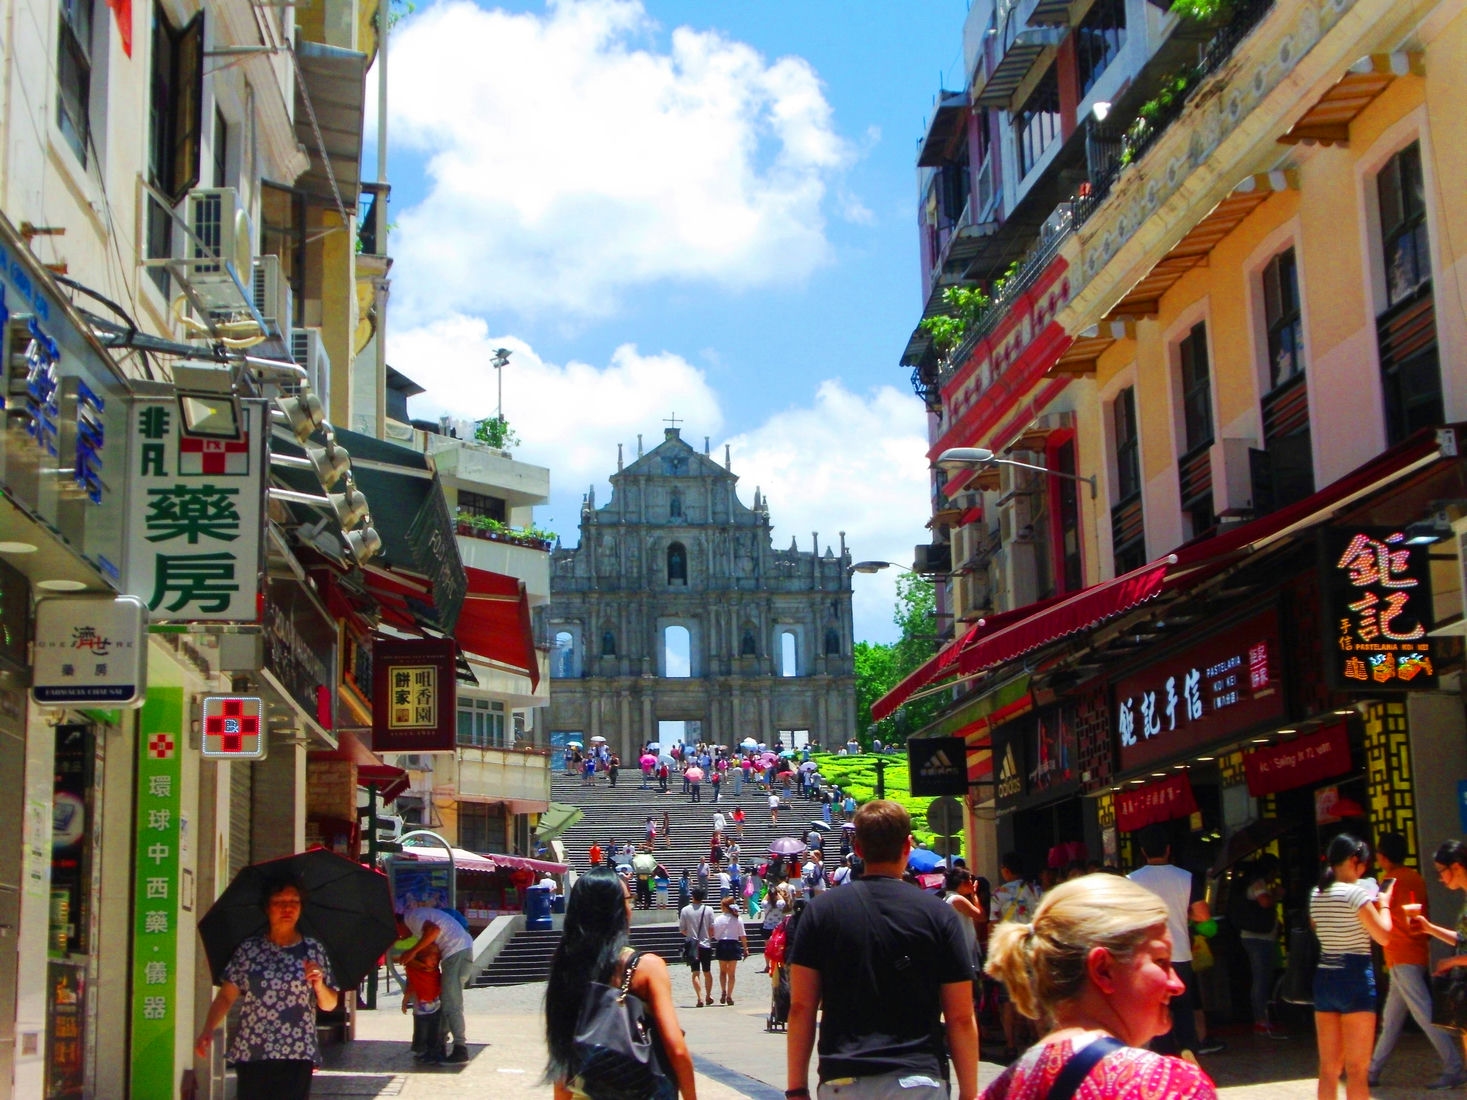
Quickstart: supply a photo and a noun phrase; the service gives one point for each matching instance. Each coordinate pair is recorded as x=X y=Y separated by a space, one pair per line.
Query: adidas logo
x=938 y=763
x=1010 y=783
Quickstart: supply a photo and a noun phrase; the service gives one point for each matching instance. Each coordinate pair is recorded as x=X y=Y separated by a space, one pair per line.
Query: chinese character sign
x=90 y=651
x=1223 y=686
x=1170 y=798
x=414 y=695
x=157 y=835
x=1298 y=763
x=1377 y=593
x=195 y=516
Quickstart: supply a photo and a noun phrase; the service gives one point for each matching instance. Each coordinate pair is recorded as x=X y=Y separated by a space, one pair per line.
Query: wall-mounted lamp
x=302 y=414
x=956 y=459
x=207 y=403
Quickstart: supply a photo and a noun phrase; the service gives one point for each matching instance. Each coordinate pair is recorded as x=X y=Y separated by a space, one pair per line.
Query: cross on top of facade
x=672 y=420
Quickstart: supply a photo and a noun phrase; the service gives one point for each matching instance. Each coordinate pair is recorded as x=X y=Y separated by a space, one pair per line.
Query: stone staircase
x=618 y=815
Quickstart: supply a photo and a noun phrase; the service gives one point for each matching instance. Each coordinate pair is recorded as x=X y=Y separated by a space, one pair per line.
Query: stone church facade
x=675 y=547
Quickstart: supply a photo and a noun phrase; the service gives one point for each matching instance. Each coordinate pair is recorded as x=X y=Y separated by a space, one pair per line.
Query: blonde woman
x=1097 y=959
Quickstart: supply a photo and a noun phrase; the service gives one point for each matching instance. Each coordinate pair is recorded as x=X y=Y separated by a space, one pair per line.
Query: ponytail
x=1341 y=848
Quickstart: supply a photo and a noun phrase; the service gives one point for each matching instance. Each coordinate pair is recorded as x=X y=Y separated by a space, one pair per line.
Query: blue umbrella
x=924 y=861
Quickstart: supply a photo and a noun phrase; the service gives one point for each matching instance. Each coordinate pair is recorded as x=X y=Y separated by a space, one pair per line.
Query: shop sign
x=66 y=406
x=975 y=721
x=66 y=1019
x=234 y=728
x=1162 y=801
x=72 y=833
x=1218 y=688
x=417 y=884
x=1298 y=763
x=301 y=648
x=414 y=695
x=1008 y=754
x=936 y=766
x=157 y=838
x=1377 y=610
x=90 y=652
x=195 y=526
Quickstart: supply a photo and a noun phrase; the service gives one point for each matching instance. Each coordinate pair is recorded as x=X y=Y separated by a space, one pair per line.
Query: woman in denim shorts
x=1347 y=910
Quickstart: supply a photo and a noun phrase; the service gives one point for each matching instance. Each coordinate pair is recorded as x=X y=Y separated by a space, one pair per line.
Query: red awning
x=371 y=769
x=462 y=860
x=1082 y=611
x=532 y=864
x=495 y=622
x=970 y=515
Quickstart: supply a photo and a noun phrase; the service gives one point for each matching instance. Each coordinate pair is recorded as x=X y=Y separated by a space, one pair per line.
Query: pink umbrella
x=648 y=760
x=695 y=775
x=767 y=758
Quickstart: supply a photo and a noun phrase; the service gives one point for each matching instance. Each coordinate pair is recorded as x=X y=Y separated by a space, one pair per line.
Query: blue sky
x=706 y=208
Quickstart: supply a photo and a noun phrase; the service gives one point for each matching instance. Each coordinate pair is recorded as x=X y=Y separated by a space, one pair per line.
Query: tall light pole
x=499 y=362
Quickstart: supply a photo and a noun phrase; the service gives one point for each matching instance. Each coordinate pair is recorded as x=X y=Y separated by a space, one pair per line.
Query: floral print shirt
x=277 y=1008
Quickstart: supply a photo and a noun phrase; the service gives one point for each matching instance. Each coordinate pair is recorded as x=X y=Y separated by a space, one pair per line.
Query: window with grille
x=74 y=75
x=1402 y=192
x=1282 y=316
x=1128 y=530
x=1037 y=123
x=1098 y=40
x=483 y=505
x=1406 y=332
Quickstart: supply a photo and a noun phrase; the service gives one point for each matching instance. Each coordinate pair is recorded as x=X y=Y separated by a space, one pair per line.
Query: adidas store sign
x=937 y=765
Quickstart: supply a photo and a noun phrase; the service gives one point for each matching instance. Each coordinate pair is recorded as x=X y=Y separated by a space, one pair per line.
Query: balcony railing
x=1114 y=152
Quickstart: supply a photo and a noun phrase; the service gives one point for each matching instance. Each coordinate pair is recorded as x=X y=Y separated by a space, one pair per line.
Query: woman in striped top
x=1347 y=911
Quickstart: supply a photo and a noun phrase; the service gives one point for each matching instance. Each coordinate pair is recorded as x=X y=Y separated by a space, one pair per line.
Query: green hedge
x=857 y=774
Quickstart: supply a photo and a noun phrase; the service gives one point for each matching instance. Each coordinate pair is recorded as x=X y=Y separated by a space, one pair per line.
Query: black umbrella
x=1249 y=839
x=348 y=907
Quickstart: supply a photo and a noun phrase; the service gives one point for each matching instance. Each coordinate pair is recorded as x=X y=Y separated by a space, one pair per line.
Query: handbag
x=617 y=1053
x=1303 y=960
x=1449 y=999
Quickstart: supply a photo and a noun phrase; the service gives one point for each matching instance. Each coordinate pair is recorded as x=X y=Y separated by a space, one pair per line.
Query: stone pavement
x=737 y=1058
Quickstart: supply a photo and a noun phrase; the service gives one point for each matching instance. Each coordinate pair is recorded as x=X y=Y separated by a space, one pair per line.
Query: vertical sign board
x=1377 y=610
x=414 y=695
x=195 y=516
x=156 y=1002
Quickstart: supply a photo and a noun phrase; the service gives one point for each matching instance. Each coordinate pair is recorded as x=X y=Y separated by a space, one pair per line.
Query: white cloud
x=843 y=462
x=847 y=463
x=570 y=158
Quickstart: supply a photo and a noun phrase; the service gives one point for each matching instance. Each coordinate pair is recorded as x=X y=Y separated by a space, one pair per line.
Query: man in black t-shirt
x=888 y=967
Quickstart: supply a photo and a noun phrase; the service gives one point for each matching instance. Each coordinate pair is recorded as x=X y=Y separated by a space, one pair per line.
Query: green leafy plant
x=965 y=308
x=1205 y=11
x=495 y=432
x=503 y=530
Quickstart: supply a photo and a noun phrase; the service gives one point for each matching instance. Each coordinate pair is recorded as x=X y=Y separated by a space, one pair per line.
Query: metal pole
x=371 y=862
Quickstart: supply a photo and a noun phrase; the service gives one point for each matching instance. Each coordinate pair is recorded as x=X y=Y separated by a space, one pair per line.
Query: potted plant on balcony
x=476 y=526
x=494 y=431
x=965 y=308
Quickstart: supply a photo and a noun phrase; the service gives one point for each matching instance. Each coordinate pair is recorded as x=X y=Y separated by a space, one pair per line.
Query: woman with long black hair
x=594 y=948
x=1347 y=913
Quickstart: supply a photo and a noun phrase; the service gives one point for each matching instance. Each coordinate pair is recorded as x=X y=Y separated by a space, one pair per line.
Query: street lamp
x=499 y=362
x=955 y=459
x=872 y=566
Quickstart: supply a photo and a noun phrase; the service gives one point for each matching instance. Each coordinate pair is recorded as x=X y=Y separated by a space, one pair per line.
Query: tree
x=881 y=666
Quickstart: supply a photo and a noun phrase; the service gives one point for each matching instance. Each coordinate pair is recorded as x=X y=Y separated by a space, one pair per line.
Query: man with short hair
x=456 y=956
x=888 y=969
x=1406 y=956
x=1181 y=893
x=695 y=922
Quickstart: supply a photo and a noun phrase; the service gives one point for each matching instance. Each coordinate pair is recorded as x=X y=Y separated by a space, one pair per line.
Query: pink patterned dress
x=1126 y=1074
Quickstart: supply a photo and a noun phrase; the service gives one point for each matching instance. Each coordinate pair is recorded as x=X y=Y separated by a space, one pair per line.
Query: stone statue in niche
x=606 y=554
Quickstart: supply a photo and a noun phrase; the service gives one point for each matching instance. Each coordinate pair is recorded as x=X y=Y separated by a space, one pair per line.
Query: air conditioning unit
x=418 y=761
x=270 y=292
x=309 y=351
x=218 y=254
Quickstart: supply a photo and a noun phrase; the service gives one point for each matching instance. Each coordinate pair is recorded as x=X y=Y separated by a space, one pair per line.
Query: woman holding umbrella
x=283 y=977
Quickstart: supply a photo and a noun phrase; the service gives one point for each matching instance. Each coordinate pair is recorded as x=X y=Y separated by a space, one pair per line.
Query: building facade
x=676 y=607
x=1215 y=255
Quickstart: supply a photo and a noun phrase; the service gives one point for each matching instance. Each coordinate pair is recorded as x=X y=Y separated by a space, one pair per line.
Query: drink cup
x=1412 y=912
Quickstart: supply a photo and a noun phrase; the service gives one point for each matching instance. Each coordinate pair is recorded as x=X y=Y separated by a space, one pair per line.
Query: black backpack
x=617 y=1052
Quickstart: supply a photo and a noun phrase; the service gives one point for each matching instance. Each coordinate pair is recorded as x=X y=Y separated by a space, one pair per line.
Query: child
x=424 y=991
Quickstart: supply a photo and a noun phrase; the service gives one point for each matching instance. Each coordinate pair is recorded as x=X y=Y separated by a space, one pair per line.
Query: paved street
x=736 y=1057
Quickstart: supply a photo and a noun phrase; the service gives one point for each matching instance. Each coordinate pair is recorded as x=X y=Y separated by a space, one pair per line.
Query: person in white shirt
x=1182 y=895
x=696 y=924
x=456 y=955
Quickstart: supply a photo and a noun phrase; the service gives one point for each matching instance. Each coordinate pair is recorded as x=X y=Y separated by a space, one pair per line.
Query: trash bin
x=537 y=908
x=557 y=903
